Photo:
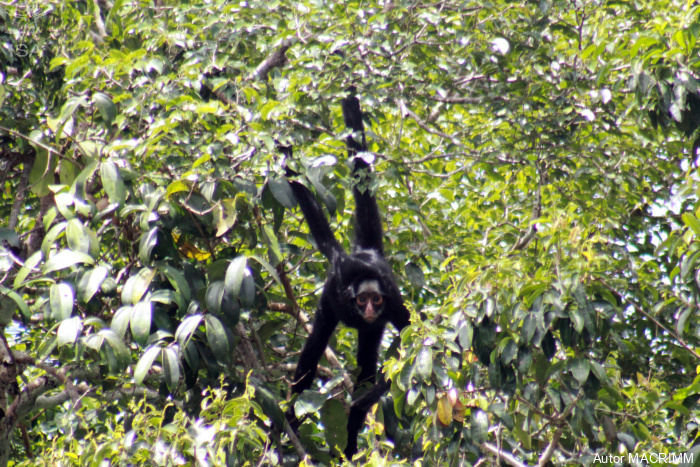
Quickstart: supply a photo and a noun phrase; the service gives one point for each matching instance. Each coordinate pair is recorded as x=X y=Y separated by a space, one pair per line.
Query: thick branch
x=246 y=348
x=26 y=400
x=547 y=454
x=276 y=59
x=18 y=202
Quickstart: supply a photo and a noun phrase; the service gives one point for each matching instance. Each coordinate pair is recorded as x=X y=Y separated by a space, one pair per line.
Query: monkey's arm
x=315 y=218
x=401 y=316
x=368 y=225
x=353 y=120
x=323 y=327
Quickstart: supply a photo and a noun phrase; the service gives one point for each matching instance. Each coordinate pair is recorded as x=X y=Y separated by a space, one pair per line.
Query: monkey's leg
x=314 y=347
x=367 y=354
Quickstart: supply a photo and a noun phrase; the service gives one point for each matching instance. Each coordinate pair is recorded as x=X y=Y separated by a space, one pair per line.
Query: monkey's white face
x=369 y=300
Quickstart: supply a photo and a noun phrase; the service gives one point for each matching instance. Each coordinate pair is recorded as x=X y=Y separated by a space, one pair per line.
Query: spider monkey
x=360 y=290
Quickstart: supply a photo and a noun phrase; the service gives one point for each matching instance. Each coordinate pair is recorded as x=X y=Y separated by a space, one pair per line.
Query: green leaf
x=465 y=335
x=17 y=298
x=147 y=244
x=215 y=296
x=247 y=292
x=178 y=186
x=120 y=320
x=77 y=237
x=141 y=317
x=136 y=286
x=599 y=372
x=524 y=359
x=29 y=266
x=234 y=275
x=684 y=315
x=225 y=216
x=527 y=332
x=106 y=107
x=273 y=246
x=310 y=402
x=66 y=259
x=171 y=368
x=335 y=424
x=692 y=222
x=177 y=280
x=117 y=346
x=424 y=363
x=145 y=363
x=415 y=275
x=217 y=338
x=42 y=173
x=95 y=279
x=268 y=267
x=68 y=330
x=282 y=192
x=186 y=329
x=577 y=320
x=112 y=182
x=61 y=301
x=580 y=369
x=94 y=342
x=48 y=243
x=509 y=351
x=479 y=425
x=168 y=297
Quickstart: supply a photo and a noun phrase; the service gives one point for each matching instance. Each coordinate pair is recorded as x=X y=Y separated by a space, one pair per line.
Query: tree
x=536 y=167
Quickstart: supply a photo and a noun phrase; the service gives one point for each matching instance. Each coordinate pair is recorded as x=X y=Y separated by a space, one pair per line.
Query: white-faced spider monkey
x=360 y=290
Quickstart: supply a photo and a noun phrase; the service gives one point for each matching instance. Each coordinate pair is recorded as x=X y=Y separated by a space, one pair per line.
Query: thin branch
x=506 y=456
x=99 y=24
x=294 y=440
x=410 y=113
x=532 y=230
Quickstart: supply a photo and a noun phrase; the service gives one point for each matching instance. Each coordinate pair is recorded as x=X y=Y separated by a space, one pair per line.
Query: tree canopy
x=536 y=171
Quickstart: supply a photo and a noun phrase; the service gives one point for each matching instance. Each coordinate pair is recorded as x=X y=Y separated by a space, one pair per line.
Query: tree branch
x=506 y=456
x=276 y=59
x=410 y=113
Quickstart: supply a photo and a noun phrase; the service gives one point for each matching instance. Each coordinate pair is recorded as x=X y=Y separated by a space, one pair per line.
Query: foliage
x=536 y=172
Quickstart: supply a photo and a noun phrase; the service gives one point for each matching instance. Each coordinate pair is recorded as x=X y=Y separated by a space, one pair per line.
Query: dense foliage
x=536 y=171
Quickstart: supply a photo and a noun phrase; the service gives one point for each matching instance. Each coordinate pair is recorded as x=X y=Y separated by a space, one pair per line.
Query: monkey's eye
x=377 y=299
x=361 y=300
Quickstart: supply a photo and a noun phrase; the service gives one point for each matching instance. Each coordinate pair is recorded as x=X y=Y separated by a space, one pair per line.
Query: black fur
x=366 y=262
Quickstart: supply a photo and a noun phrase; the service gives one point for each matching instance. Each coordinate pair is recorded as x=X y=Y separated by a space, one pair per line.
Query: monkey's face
x=368 y=300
